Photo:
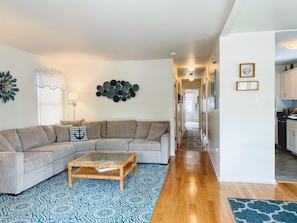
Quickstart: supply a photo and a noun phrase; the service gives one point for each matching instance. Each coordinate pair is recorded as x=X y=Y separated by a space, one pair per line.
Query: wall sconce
x=191 y=77
x=72 y=98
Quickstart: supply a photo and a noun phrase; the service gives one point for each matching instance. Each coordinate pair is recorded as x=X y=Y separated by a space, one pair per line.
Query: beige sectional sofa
x=31 y=155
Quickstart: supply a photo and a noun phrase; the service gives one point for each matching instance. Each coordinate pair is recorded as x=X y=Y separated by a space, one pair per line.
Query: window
x=50 y=106
x=189 y=101
x=50 y=92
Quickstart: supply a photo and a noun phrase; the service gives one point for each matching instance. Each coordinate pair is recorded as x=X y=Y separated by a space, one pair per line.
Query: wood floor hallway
x=192 y=194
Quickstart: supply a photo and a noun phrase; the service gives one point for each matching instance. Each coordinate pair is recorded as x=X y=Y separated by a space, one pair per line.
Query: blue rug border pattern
x=261 y=211
x=89 y=200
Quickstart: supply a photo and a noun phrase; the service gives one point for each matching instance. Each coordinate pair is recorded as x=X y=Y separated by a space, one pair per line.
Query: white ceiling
x=92 y=30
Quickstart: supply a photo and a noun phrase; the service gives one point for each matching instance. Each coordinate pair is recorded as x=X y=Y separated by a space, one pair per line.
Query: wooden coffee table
x=103 y=165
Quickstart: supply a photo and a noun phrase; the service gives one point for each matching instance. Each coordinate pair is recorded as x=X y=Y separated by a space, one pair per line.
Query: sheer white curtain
x=50 y=79
x=50 y=93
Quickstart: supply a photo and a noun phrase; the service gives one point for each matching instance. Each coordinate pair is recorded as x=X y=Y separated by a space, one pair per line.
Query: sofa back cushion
x=5 y=145
x=121 y=129
x=103 y=125
x=93 y=129
x=12 y=137
x=142 y=129
x=62 y=133
x=32 y=137
x=50 y=133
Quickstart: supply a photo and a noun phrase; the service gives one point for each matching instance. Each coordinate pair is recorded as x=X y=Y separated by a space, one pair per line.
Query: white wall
x=247 y=117
x=22 y=112
x=153 y=101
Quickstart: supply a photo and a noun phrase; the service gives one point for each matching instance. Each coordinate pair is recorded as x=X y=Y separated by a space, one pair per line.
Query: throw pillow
x=156 y=131
x=142 y=129
x=5 y=146
x=73 y=123
x=62 y=132
x=78 y=133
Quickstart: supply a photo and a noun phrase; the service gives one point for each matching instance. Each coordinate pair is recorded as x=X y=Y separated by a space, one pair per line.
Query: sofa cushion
x=5 y=145
x=142 y=129
x=12 y=137
x=74 y=122
x=102 y=127
x=84 y=146
x=36 y=160
x=156 y=131
x=121 y=129
x=144 y=145
x=118 y=144
x=62 y=133
x=50 y=133
x=93 y=130
x=78 y=133
x=32 y=137
x=59 y=150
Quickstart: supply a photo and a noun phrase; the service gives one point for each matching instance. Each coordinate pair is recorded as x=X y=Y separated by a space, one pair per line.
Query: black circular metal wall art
x=117 y=90
x=8 y=87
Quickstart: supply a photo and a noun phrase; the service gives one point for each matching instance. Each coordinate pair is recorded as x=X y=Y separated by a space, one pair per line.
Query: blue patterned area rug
x=261 y=211
x=88 y=200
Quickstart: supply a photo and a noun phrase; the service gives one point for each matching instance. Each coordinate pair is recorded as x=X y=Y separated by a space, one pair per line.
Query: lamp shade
x=72 y=96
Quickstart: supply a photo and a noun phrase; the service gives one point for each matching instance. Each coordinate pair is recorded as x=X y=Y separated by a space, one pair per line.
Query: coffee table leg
x=121 y=178
x=135 y=163
x=69 y=176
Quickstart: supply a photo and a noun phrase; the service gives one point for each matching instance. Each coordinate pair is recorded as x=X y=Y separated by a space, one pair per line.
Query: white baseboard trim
x=252 y=181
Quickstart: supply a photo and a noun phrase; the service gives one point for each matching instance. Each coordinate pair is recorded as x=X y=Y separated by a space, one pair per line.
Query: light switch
x=257 y=99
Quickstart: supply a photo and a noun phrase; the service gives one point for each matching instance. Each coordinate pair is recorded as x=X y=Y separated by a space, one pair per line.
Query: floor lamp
x=72 y=98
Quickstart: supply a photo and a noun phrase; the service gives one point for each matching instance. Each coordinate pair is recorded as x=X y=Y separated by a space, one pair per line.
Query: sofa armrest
x=165 y=147
x=11 y=172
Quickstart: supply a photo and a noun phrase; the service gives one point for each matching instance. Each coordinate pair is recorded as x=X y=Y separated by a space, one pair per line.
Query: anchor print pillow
x=78 y=133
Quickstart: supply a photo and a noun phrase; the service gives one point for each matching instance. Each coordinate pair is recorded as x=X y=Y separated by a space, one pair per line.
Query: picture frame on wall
x=247 y=85
x=247 y=70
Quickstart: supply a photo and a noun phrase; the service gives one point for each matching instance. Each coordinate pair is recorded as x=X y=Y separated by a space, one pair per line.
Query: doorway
x=191 y=107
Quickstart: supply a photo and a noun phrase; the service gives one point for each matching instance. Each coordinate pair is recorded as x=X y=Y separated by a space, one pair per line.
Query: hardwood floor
x=192 y=194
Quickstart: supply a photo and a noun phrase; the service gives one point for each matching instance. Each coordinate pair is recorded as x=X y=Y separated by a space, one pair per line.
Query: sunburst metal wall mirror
x=8 y=87
x=117 y=90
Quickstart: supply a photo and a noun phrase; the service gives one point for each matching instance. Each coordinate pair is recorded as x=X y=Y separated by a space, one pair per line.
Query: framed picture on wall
x=247 y=85
x=247 y=70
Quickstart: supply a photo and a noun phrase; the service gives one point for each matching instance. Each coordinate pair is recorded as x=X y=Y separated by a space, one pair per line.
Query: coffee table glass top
x=104 y=158
x=103 y=165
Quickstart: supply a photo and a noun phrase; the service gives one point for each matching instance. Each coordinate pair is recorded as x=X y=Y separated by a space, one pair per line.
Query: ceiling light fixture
x=191 y=69
x=173 y=54
x=191 y=77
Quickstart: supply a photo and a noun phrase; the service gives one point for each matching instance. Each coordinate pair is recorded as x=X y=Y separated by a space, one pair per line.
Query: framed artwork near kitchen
x=247 y=85
x=247 y=70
